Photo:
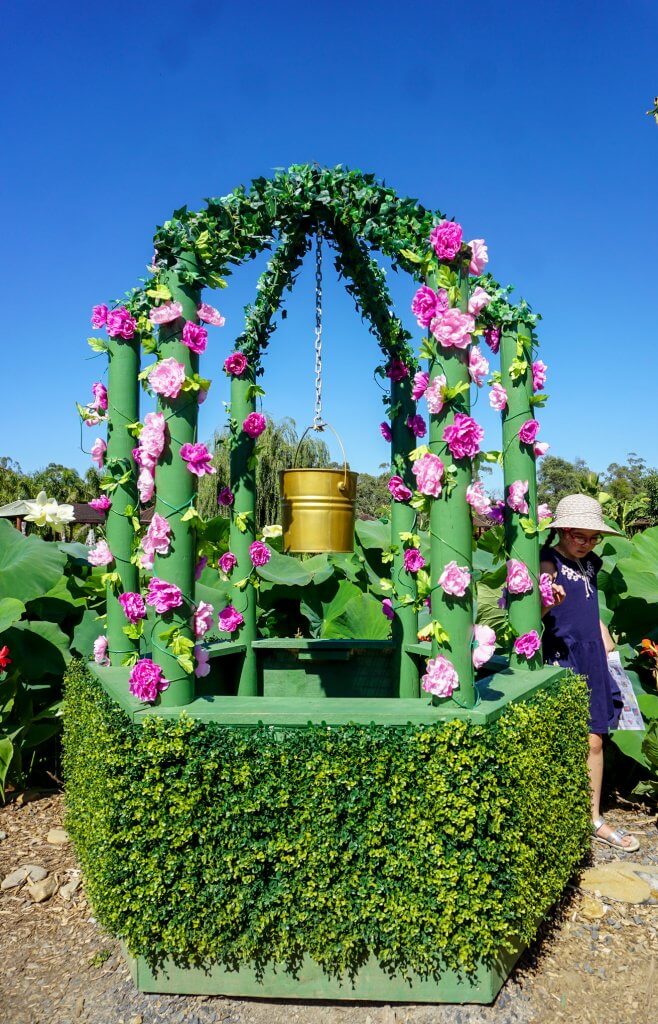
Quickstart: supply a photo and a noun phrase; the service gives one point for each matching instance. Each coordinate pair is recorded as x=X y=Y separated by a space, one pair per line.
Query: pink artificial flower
x=203 y=619
x=463 y=437
x=546 y=589
x=478 y=300
x=100 y=554
x=478 y=366
x=156 y=540
x=397 y=370
x=387 y=608
x=210 y=315
x=428 y=470
x=498 y=397
x=133 y=606
x=497 y=512
x=477 y=499
x=94 y=417
x=419 y=387
x=102 y=504
x=202 y=667
x=147 y=680
x=235 y=364
x=417 y=426
x=455 y=579
x=120 y=324
x=441 y=677
x=413 y=560
x=201 y=396
x=518 y=577
x=167 y=377
x=492 y=338
x=516 y=496
x=453 y=330
x=227 y=562
x=538 y=375
x=428 y=304
x=163 y=596
x=259 y=553
x=434 y=394
x=540 y=448
x=544 y=512
x=100 y=651
x=99 y=391
x=225 y=497
x=385 y=431
x=479 y=257
x=97 y=453
x=230 y=619
x=166 y=313
x=446 y=239
x=255 y=424
x=99 y=317
x=528 y=432
x=528 y=644
x=195 y=337
x=151 y=440
x=200 y=566
x=399 y=489
x=484 y=644
x=145 y=485
x=197 y=458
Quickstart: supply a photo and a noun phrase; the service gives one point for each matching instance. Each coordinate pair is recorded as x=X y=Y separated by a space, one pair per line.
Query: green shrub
x=429 y=847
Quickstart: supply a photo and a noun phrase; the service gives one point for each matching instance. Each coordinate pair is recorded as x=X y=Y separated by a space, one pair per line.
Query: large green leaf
x=6 y=754
x=89 y=627
x=650 y=745
x=372 y=533
x=286 y=570
x=353 y=615
x=29 y=566
x=489 y=590
x=629 y=741
x=58 y=604
x=38 y=649
x=11 y=611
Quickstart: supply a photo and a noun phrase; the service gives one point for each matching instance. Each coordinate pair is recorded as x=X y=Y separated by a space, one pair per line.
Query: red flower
x=4 y=657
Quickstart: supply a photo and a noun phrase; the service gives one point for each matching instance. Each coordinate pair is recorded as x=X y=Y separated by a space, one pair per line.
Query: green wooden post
x=519 y=464
x=175 y=491
x=405 y=623
x=123 y=408
x=243 y=485
x=451 y=528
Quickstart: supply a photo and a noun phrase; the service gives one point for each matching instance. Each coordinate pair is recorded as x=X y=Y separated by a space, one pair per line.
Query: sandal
x=615 y=838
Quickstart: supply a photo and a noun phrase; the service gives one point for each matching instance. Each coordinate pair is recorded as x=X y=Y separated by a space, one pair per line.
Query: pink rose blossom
x=544 y=512
x=200 y=566
x=446 y=239
x=227 y=562
x=454 y=579
x=421 y=380
x=498 y=397
x=255 y=424
x=210 y=315
x=528 y=432
x=479 y=257
x=202 y=667
x=197 y=458
x=516 y=496
x=453 y=330
x=417 y=426
x=478 y=366
x=146 y=680
x=385 y=431
x=163 y=596
x=484 y=644
x=145 y=485
x=102 y=504
x=428 y=470
x=156 y=540
x=428 y=304
x=518 y=577
x=478 y=300
x=167 y=377
x=133 y=606
x=387 y=608
x=94 y=417
x=100 y=554
x=259 y=553
x=497 y=512
x=99 y=391
x=201 y=396
x=434 y=394
x=203 y=619
x=397 y=370
x=225 y=497
x=546 y=590
x=441 y=677
x=230 y=619
x=195 y=337
x=399 y=489
x=235 y=364
x=100 y=651
x=492 y=338
x=528 y=644
x=120 y=324
x=99 y=317
x=463 y=437
x=538 y=375
x=540 y=448
x=166 y=313
x=477 y=499
x=413 y=560
x=151 y=440
x=97 y=453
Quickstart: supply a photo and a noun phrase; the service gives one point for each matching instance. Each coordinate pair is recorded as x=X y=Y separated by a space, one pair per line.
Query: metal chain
x=318 y=422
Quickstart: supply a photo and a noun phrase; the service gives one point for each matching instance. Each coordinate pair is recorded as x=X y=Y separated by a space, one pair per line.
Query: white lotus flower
x=45 y=511
x=272 y=531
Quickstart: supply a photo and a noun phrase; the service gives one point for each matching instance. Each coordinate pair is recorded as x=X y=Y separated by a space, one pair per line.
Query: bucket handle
x=319 y=428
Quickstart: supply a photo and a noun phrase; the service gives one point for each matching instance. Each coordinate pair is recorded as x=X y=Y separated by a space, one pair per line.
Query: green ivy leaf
x=98 y=344
x=159 y=293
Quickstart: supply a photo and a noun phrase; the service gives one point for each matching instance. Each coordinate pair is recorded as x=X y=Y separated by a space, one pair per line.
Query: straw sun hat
x=580 y=512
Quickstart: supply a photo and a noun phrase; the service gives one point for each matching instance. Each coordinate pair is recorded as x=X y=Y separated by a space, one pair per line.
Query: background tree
x=557 y=476
x=373 y=498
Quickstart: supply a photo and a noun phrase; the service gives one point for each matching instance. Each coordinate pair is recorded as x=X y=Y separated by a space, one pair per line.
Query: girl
x=574 y=635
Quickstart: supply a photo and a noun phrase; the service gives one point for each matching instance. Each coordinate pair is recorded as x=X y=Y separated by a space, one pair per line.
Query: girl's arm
x=558 y=591
x=608 y=642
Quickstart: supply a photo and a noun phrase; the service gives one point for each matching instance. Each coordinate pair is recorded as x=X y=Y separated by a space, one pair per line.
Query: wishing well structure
x=321 y=817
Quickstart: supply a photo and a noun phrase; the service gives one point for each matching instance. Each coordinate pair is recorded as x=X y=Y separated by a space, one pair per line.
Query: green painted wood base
x=371 y=984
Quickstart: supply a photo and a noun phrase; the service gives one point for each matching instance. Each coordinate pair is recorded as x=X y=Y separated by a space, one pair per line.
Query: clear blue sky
x=524 y=121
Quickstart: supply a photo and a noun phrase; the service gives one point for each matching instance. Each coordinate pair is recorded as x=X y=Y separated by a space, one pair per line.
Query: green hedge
x=429 y=847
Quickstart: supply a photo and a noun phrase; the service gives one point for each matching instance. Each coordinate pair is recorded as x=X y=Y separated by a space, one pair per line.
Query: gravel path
x=597 y=960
